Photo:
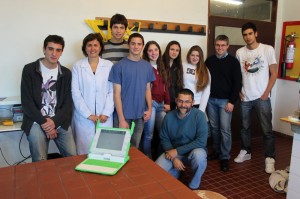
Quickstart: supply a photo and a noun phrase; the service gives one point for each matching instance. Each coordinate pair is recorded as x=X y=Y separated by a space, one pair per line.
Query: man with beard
x=183 y=138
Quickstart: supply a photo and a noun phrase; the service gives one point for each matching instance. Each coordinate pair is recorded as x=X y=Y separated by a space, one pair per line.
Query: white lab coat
x=92 y=95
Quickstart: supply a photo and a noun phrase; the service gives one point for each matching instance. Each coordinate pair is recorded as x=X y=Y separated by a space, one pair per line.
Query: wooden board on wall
x=164 y=27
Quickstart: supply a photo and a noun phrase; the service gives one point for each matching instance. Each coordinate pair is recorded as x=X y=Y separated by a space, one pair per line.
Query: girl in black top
x=172 y=62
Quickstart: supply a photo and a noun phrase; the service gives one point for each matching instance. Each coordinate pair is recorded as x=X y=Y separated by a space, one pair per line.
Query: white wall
x=285 y=93
x=25 y=24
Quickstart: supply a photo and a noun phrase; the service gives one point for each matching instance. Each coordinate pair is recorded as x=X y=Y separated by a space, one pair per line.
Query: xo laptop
x=108 y=151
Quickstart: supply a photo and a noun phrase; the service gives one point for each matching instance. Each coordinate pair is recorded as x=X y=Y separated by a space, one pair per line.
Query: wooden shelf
x=159 y=26
x=288 y=78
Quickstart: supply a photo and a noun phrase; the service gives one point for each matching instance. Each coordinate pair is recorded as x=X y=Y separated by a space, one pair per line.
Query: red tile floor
x=246 y=180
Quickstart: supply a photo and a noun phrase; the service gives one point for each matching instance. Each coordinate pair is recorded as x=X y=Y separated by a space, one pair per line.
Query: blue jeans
x=264 y=113
x=220 y=123
x=115 y=119
x=156 y=120
x=196 y=158
x=138 y=130
x=39 y=143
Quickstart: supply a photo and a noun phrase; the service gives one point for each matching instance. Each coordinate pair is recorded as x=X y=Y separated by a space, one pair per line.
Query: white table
x=294 y=176
x=15 y=127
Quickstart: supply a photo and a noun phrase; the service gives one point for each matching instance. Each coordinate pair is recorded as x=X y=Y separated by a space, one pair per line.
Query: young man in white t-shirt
x=47 y=102
x=259 y=72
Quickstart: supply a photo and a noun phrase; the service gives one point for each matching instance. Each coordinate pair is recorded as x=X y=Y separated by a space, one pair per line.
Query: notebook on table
x=108 y=151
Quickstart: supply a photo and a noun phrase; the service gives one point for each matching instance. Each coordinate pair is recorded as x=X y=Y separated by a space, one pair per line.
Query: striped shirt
x=115 y=51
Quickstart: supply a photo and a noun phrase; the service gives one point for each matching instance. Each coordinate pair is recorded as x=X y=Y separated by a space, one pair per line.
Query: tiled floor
x=246 y=180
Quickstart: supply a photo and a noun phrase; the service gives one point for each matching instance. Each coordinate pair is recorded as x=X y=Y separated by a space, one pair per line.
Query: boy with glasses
x=226 y=83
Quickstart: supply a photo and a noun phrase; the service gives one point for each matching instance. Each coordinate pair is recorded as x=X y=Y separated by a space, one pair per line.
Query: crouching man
x=183 y=138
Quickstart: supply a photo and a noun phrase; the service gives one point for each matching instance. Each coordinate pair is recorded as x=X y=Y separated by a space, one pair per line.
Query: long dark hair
x=176 y=62
x=201 y=69
x=160 y=65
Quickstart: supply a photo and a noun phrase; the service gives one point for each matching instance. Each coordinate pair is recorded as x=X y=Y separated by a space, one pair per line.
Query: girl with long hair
x=173 y=65
x=196 y=77
x=159 y=92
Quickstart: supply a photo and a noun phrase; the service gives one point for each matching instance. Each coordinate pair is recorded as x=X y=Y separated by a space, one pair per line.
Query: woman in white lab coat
x=92 y=92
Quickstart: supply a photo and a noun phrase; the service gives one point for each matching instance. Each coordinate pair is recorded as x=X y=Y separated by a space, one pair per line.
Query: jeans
x=138 y=130
x=264 y=113
x=196 y=158
x=115 y=119
x=39 y=143
x=220 y=123
x=156 y=120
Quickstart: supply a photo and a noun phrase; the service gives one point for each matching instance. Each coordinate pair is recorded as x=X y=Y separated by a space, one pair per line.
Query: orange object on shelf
x=7 y=123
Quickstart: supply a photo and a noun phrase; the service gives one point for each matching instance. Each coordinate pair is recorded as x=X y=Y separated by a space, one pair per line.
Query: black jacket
x=226 y=77
x=31 y=97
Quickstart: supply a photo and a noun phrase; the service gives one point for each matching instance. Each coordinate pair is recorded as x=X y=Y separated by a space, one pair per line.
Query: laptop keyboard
x=94 y=168
x=94 y=165
x=103 y=163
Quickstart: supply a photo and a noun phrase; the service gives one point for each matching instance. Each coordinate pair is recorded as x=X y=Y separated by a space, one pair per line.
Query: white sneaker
x=269 y=162
x=243 y=156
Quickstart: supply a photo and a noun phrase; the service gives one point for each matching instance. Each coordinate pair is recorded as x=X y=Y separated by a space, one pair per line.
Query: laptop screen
x=111 y=139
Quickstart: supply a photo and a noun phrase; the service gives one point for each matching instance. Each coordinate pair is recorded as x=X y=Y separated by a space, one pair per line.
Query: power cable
x=25 y=158
x=4 y=157
x=19 y=162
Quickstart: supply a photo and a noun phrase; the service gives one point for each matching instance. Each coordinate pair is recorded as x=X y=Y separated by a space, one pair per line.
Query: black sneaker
x=213 y=156
x=224 y=165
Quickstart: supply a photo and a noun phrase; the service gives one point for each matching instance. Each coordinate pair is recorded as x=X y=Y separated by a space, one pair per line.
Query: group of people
x=250 y=77
x=115 y=85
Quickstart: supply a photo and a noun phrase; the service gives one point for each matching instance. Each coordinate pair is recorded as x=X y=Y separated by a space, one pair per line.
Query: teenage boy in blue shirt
x=131 y=77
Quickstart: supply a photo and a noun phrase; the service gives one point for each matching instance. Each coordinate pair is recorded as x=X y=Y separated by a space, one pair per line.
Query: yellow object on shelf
x=7 y=123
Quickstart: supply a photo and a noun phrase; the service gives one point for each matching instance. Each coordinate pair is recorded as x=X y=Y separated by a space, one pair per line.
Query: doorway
x=266 y=35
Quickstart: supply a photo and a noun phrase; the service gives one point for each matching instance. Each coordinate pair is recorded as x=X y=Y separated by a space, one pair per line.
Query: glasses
x=184 y=102
x=221 y=45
